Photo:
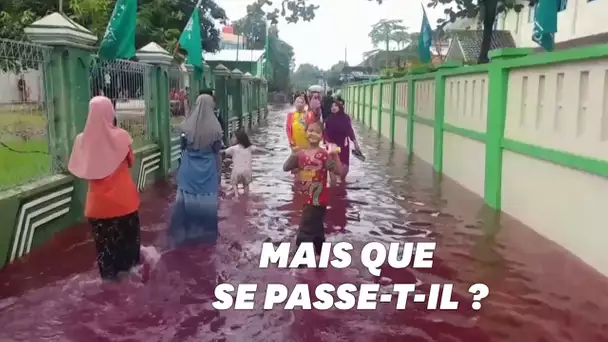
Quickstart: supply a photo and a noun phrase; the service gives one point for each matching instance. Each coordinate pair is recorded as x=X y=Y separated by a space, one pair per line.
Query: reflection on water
x=537 y=291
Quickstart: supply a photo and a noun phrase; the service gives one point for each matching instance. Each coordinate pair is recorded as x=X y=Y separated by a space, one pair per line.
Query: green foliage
x=305 y=76
x=386 y=31
x=160 y=21
x=291 y=10
x=332 y=76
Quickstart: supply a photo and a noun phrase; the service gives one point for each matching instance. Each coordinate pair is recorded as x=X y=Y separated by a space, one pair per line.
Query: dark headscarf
x=338 y=125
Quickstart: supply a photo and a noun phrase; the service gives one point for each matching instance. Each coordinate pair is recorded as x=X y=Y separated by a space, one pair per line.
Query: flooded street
x=538 y=292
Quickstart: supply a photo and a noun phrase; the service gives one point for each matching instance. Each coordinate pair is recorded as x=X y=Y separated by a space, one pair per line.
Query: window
x=563 y=4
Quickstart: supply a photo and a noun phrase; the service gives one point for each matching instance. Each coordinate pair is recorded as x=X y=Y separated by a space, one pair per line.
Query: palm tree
x=385 y=31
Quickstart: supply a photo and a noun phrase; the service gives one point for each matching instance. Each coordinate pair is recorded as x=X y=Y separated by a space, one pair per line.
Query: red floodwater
x=538 y=292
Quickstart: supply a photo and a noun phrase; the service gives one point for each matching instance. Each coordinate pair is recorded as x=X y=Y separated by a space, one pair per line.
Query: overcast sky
x=339 y=25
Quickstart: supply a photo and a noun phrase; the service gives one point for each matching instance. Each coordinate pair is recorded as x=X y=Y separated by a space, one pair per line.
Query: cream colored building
x=576 y=19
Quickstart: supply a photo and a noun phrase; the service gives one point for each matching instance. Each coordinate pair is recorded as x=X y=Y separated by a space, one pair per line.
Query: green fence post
x=498 y=84
x=68 y=92
x=364 y=104
x=393 y=108
x=236 y=90
x=221 y=74
x=411 y=92
x=371 y=104
x=264 y=97
x=380 y=107
x=207 y=80
x=247 y=108
x=194 y=84
x=256 y=99
x=355 y=107
x=440 y=115
x=158 y=106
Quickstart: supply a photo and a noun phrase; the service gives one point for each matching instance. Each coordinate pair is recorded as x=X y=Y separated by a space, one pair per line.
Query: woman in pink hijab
x=102 y=155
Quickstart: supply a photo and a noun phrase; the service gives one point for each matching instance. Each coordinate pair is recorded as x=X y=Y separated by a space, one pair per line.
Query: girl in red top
x=313 y=164
x=102 y=155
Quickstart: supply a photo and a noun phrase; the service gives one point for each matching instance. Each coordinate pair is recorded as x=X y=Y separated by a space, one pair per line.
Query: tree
x=160 y=21
x=292 y=10
x=486 y=11
x=253 y=28
x=333 y=75
x=305 y=76
x=387 y=31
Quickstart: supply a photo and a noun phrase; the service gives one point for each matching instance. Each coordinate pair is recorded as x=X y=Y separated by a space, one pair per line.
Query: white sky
x=339 y=25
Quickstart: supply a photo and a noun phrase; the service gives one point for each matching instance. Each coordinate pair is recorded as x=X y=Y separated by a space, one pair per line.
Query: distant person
x=313 y=164
x=102 y=155
x=314 y=105
x=339 y=131
x=241 y=152
x=22 y=87
x=297 y=122
x=326 y=104
x=194 y=216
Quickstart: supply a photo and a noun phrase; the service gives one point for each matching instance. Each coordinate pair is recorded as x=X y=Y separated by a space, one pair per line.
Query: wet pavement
x=538 y=292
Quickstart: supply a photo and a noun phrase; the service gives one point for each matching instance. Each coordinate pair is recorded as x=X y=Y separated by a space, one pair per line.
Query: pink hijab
x=101 y=147
x=315 y=105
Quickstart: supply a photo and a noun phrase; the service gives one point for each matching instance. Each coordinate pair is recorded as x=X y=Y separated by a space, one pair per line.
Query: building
x=579 y=22
x=231 y=41
x=251 y=61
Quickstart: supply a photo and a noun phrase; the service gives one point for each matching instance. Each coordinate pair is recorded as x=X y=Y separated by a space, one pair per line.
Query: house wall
x=580 y=18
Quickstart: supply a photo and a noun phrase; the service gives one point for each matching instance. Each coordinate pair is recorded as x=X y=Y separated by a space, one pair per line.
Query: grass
x=18 y=168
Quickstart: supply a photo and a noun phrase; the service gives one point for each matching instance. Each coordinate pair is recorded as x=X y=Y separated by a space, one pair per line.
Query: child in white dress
x=241 y=154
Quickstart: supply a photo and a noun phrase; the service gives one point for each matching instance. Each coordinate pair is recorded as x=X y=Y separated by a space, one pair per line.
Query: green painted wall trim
x=466 y=133
x=410 y=116
x=393 y=109
x=424 y=121
x=380 y=109
x=371 y=103
x=495 y=125
x=586 y=164
x=439 y=123
x=401 y=114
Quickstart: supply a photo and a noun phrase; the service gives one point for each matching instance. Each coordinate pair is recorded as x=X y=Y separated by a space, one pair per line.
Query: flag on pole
x=190 y=39
x=545 y=24
x=267 y=53
x=119 y=38
x=425 y=39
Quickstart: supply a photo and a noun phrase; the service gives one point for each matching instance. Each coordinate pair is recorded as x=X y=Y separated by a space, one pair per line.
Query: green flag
x=267 y=53
x=119 y=39
x=425 y=39
x=545 y=23
x=190 y=40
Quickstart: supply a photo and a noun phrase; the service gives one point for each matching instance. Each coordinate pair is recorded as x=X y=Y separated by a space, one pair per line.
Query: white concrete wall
x=401 y=131
x=466 y=106
x=580 y=18
x=423 y=142
x=562 y=107
x=385 y=128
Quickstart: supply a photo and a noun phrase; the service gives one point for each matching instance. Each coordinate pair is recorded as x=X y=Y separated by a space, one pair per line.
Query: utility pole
x=60 y=6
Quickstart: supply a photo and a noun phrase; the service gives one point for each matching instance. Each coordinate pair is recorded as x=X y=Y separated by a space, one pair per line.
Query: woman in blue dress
x=195 y=211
